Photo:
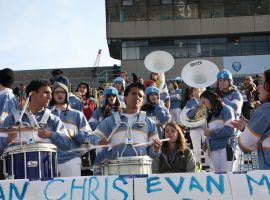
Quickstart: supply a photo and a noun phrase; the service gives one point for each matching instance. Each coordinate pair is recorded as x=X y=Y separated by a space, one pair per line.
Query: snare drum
x=33 y=162
x=127 y=166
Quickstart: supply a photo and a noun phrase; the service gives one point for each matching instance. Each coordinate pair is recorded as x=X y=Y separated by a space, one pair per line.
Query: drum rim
x=129 y=159
x=30 y=148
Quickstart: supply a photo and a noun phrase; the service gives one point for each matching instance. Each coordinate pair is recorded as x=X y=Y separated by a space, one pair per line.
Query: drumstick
x=89 y=148
x=148 y=143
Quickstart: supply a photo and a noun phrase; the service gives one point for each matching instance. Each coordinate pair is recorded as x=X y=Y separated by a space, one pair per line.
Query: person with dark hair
x=247 y=89
x=57 y=72
x=219 y=131
x=78 y=129
x=123 y=130
x=124 y=75
x=155 y=109
x=8 y=102
x=176 y=157
x=111 y=104
x=89 y=105
x=255 y=134
x=50 y=127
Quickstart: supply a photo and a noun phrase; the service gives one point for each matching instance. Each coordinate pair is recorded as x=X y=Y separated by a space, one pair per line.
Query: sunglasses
x=111 y=95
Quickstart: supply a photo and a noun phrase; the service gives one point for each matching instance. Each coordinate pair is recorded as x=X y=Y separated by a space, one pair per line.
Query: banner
x=243 y=65
x=185 y=186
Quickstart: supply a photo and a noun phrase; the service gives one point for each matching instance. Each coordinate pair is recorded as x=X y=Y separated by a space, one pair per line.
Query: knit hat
x=224 y=74
x=151 y=89
x=121 y=80
x=57 y=84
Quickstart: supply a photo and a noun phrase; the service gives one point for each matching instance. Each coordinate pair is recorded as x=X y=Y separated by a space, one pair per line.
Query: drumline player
x=69 y=162
x=8 y=103
x=50 y=127
x=122 y=130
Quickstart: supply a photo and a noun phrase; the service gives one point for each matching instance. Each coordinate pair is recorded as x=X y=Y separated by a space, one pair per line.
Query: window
x=114 y=3
x=166 y=12
x=141 y=13
x=128 y=14
x=154 y=13
x=113 y=14
x=127 y=2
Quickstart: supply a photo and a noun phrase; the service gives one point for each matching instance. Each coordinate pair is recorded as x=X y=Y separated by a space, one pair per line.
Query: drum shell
x=127 y=166
x=33 y=162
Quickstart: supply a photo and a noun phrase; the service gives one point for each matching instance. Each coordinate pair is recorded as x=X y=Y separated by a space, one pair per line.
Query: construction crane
x=96 y=64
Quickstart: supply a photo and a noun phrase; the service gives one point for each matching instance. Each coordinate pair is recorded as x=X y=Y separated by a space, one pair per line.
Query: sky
x=47 y=34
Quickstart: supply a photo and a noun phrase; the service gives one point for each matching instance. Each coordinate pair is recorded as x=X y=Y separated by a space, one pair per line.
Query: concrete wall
x=189 y=27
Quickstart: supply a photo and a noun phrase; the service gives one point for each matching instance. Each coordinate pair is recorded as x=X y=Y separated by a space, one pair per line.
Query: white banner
x=253 y=185
x=242 y=65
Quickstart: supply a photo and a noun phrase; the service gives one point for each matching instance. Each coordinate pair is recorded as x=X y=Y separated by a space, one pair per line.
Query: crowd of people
x=140 y=112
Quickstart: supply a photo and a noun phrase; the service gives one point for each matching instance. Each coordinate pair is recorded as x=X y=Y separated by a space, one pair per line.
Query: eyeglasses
x=59 y=92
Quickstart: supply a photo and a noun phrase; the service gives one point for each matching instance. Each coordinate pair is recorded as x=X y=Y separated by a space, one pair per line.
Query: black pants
x=1 y=170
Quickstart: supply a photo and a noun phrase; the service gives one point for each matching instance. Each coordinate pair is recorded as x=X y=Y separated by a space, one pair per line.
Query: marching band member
x=229 y=93
x=120 y=84
x=176 y=157
x=164 y=93
x=176 y=100
x=219 y=131
x=196 y=133
x=111 y=104
x=78 y=129
x=122 y=130
x=51 y=128
x=155 y=110
x=8 y=103
x=232 y=97
x=256 y=131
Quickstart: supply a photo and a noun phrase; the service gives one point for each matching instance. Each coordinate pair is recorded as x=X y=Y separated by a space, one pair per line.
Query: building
x=232 y=33
x=91 y=75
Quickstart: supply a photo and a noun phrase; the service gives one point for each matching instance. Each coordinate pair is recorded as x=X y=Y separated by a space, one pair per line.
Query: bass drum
x=33 y=162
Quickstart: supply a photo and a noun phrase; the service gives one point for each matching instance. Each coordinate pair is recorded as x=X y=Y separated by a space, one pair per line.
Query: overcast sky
x=40 y=34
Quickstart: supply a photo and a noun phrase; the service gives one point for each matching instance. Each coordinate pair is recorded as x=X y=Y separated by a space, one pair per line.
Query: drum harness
x=43 y=123
x=129 y=133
